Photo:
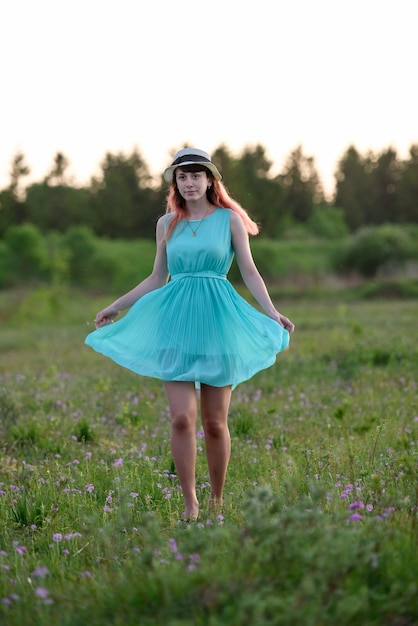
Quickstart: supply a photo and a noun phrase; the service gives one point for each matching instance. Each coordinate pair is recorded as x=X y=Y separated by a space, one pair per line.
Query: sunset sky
x=90 y=76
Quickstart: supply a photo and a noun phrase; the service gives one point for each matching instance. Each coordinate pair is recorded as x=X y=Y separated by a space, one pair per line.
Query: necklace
x=194 y=230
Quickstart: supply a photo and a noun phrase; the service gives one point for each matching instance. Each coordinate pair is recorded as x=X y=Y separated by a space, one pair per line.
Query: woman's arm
x=250 y=274
x=156 y=279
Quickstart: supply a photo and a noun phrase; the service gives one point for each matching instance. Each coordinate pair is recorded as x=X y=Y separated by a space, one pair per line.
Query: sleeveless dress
x=196 y=327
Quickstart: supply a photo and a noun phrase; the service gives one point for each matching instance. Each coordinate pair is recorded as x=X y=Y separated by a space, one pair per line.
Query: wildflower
x=356 y=505
x=86 y=574
x=117 y=462
x=41 y=592
x=89 y=488
x=355 y=517
x=133 y=494
x=40 y=571
x=172 y=545
x=194 y=557
x=21 y=549
x=57 y=537
x=106 y=509
x=6 y=601
x=70 y=536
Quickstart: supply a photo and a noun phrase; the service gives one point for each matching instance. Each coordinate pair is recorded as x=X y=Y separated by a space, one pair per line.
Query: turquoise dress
x=196 y=327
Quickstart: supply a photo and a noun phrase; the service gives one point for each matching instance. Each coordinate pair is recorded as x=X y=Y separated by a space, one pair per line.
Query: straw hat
x=191 y=156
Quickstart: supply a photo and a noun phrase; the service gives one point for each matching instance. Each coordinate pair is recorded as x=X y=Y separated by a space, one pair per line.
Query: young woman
x=196 y=331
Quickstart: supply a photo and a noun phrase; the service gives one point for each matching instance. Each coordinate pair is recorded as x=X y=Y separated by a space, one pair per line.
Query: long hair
x=217 y=195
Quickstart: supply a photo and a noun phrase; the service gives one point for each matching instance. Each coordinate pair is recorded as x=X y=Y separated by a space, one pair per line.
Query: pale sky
x=89 y=76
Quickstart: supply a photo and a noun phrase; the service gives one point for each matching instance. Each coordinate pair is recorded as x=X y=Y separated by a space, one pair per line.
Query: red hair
x=216 y=195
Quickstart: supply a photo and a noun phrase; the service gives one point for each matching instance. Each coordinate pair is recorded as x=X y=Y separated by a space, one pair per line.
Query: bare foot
x=215 y=504
x=192 y=511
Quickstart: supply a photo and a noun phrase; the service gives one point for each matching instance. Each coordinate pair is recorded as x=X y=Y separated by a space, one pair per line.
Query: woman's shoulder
x=223 y=212
x=164 y=219
x=233 y=217
x=162 y=223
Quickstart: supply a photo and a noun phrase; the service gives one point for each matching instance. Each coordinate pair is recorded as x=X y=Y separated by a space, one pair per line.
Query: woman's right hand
x=105 y=317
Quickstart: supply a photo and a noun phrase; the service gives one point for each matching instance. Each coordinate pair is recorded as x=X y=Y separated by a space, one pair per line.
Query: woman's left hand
x=285 y=322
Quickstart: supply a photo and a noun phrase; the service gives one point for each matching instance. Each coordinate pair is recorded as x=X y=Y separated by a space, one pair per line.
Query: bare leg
x=214 y=405
x=183 y=409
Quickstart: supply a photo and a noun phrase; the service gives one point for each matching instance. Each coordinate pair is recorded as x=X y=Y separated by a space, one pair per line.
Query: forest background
x=55 y=231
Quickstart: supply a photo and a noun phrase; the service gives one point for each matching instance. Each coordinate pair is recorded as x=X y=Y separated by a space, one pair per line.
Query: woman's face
x=192 y=186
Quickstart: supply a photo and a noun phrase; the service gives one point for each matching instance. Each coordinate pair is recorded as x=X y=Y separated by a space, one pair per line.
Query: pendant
x=193 y=234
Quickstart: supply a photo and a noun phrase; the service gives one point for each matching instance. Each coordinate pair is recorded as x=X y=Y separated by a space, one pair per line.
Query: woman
x=195 y=330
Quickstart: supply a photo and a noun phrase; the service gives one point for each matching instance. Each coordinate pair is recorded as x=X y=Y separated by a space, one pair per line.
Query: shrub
x=373 y=249
x=81 y=246
x=25 y=255
x=328 y=223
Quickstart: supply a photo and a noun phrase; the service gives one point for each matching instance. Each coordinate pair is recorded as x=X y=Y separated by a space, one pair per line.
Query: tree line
x=124 y=201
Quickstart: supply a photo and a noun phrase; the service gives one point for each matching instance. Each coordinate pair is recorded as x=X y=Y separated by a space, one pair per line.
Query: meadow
x=320 y=523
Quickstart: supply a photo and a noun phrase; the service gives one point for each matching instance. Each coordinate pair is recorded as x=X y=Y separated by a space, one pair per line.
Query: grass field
x=320 y=522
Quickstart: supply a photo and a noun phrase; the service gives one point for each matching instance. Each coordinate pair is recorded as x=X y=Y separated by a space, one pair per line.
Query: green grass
x=320 y=519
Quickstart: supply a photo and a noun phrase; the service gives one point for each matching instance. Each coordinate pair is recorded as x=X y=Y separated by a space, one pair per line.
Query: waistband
x=199 y=275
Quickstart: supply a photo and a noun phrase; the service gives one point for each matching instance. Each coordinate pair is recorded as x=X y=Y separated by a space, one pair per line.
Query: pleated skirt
x=193 y=329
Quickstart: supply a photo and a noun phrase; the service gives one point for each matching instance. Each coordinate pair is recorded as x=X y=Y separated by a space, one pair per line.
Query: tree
x=249 y=182
x=265 y=195
x=352 y=187
x=57 y=207
x=301 y=185
x=124 y=203
x=408 y=187
x=18 y=171
x=384 y=176
x=12 y=199
x=57 y=173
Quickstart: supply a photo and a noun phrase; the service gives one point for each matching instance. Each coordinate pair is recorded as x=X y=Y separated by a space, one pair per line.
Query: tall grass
x=320 y=520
